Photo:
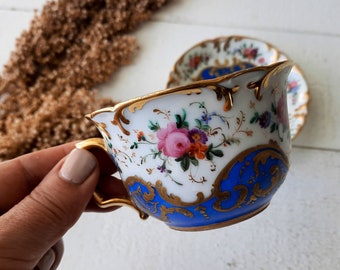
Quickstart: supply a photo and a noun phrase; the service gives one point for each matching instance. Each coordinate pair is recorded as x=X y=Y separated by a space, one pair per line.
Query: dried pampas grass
x=47 y=85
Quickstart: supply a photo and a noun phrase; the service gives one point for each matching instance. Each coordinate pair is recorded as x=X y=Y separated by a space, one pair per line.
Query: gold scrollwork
x=225 y=195
x=203 y=211
x=175 y=200
x=223 y=223
x=263 y=156
x=271 y=151
x=276 y=176
x=225 y=92
x=118 y=119
x=147 y=196
x=266 y=152
x=165 y=211
x=102 y=129
x=256 y=86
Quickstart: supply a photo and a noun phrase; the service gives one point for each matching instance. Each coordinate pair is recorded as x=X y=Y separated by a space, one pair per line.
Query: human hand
x=42 y=195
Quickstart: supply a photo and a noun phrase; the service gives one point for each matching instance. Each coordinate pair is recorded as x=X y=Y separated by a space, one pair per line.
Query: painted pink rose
x=173 y=141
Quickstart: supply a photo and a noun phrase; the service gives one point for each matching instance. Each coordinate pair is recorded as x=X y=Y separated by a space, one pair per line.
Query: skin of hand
x=42 y=195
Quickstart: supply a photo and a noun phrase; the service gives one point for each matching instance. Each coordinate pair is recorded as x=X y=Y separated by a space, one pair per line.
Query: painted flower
x=282 y=114
x=162 y=168
x=197 y=150
x=250 y=53
x=196 y=60
x=173 y=141
x=140 y=136
x=293 y=86
x=197 y=135
x=262 y=60
x=206 y=118
x=264 y=119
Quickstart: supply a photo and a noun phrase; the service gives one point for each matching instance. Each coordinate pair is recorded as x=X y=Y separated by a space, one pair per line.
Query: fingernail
x=78 y=166
x=46 y=261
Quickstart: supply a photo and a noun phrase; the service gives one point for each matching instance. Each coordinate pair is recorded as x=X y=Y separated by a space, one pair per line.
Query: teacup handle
x=98 y=143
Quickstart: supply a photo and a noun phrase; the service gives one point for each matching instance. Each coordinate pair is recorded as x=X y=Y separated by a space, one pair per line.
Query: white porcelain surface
x=187 y=146
x=300 y=229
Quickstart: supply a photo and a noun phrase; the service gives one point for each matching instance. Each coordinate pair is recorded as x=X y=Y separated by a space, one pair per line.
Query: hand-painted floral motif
x=197 y=59
x=173 y=141
x=249 y=52
x=190 y=156
x=293 y=90
x=266 y=120
x=293 y=86
x=188 y=143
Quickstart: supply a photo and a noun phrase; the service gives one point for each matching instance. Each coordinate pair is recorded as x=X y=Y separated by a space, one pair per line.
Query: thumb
x=35 y=224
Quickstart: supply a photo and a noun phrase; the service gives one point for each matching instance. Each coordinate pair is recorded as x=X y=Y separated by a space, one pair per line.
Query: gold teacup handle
x=98 y=143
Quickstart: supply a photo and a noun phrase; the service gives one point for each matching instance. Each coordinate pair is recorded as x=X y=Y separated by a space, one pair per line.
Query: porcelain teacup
x=204 y=155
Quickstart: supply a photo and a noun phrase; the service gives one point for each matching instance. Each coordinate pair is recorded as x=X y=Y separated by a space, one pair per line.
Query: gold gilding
x=91 y=143
x=223 y=223
x=266 y=152
x=175 y=200
x=99 y=198
x=225 y=195
x=170 y=210
x=195 y=88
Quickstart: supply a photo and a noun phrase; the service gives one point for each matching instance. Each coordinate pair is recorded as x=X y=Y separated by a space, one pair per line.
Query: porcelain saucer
x=213 y=58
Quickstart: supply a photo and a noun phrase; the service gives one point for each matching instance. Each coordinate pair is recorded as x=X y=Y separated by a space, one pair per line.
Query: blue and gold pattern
x=242 y=189
x=209 y=162
x=214 y=72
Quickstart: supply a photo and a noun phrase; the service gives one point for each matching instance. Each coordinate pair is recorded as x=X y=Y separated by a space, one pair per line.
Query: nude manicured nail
x=78 y=165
